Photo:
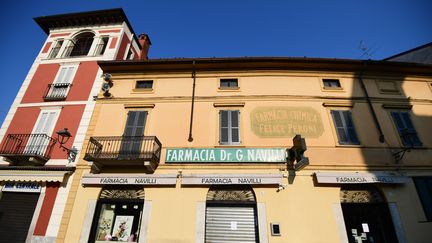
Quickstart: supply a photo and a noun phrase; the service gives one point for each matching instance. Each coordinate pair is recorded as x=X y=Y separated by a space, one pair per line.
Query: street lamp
x=63 y=136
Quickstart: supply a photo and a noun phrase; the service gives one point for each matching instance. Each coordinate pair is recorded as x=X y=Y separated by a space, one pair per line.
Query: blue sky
x=229 y=28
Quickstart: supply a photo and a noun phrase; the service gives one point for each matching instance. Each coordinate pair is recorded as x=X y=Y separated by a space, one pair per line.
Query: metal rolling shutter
x=16 y=213
x=230 y=224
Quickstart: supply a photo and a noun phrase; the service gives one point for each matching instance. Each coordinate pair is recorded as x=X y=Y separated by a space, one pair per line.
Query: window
x=144 y=84
x=331 y=84
x=229 y=127
x=387 y=87
x=344 y=127
x=424 y=190
x=100 y=48
x=56 y=49
x=129 y=54
x=59 y=89
x=80 y=45
x=40 y=139
x=406 y=130
x=229 y=83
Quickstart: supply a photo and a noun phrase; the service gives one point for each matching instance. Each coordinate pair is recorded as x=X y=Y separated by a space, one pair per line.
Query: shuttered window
x=229 y=127
x=344 y=127
x=133 y=133
x=407 y=132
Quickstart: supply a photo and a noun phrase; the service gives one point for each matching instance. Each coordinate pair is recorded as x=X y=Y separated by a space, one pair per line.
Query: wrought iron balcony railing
x=123 y=150
x=23 y=147
x=57 y=91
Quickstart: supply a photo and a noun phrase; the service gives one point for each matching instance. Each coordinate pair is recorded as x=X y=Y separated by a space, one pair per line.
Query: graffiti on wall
x=277 y=121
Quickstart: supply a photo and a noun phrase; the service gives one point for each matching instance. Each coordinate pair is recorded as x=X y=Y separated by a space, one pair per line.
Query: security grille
x=230 y=224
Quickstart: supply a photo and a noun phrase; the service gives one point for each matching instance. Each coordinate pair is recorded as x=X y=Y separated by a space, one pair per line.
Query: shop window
x=118 y=215
x=331 y=83
x=229 y=127
x=144 y=84
x=228 y=83
x=344 y=127
x=405 y=127
x=366 y=214
x=424 y=190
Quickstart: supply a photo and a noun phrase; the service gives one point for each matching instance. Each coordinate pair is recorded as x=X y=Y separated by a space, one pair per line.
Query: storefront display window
x=117 y=219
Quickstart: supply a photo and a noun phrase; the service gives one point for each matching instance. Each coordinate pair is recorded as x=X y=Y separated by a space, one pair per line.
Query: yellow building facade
x=202 y=150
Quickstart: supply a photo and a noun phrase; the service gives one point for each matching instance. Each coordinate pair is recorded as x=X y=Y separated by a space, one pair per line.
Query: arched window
x=80 y=45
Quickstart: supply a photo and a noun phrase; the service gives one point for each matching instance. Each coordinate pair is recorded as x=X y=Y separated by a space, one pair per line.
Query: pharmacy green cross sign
x=225 y=155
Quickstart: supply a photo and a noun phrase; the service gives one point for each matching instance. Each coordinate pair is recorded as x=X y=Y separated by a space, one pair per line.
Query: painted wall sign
x=276 y=121
x=120 y=179
x=232 y=155
x=231 y=179
x=22 y=187
x=358 y=178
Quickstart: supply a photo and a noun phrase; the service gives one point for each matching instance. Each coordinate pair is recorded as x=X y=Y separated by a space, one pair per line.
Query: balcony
x=27 y=149
x=57 y=91
x=142 y=152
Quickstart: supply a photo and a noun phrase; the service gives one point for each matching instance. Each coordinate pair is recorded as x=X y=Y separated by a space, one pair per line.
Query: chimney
x=145 y=42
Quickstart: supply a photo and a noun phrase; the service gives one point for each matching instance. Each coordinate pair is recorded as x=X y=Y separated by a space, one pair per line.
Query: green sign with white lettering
x=227 y=155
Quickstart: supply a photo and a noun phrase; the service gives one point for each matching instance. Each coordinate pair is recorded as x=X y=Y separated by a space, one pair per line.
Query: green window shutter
x=133 y=133
x=340 y=130
x=344 y=127
x=235 y=127
x=405 y=128
x=229 y=127
x=224 y=127
x=352 y=135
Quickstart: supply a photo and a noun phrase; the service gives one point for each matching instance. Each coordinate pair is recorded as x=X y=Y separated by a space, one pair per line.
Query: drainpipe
x=190 y=139
x=375 y=118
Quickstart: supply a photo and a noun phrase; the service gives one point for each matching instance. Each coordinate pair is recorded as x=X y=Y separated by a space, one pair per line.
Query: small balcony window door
x=101 y=46
x=344 y=127
x=407 y=133
x=56 y=49
x=60 y=87
x=229 y=127
x=42 y=131
x=133 y=134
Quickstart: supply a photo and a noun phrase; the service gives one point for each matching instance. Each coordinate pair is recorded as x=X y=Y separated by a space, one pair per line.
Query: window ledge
x=145 y=90
x=230 y=104
x=129 y=106
x=397 y=106
x=338 y=104
x=228 y=89
x=230 y=146
x=337 y=89
x=349 y=146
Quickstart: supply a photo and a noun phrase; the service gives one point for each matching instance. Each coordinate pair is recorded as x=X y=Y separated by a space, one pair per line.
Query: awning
x=232 y=179
x=33 y=175
x=360 y=177
x=128 y=179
